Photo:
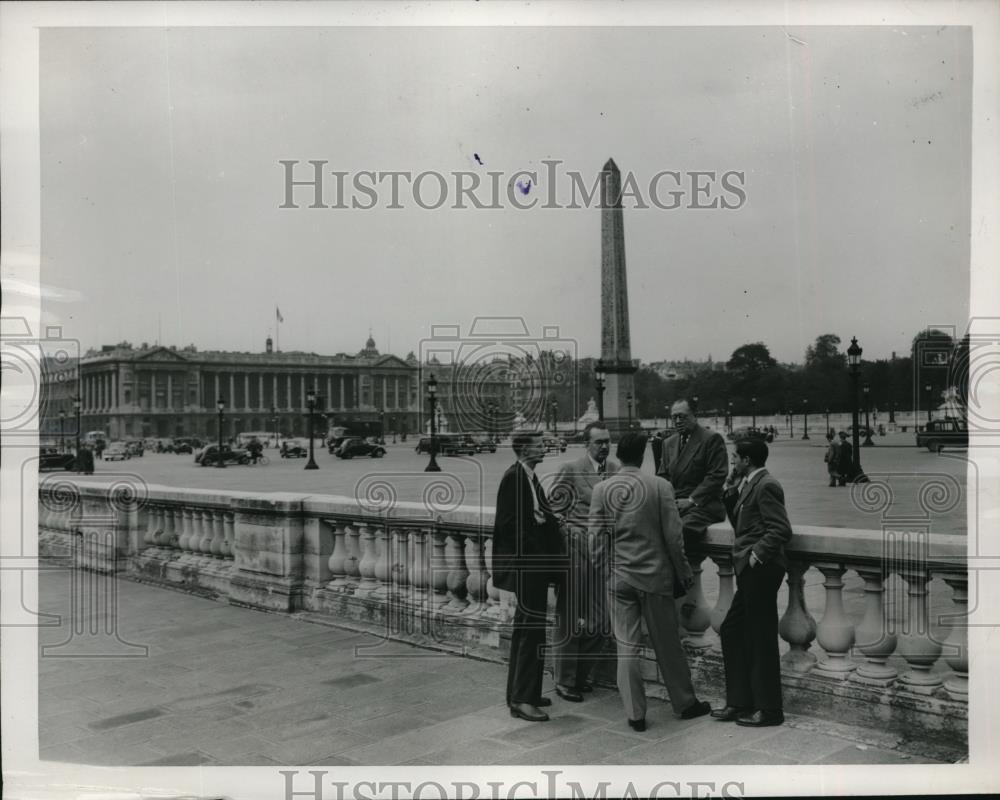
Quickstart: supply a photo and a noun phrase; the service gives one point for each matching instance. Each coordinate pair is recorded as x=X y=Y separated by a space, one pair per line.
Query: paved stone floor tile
x=125 y=719
x=747 y=756
x=852 y=754
x=190 y=759
x=537 y=733
x=486 y=750
x=584 y=748
x=303 y=750
x=349 y=681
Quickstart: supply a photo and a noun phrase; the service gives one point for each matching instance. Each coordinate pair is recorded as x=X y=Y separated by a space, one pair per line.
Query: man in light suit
x=637 y=538
x=749 y=633
x=695 y=462
x=527 y=557
x=580 y=603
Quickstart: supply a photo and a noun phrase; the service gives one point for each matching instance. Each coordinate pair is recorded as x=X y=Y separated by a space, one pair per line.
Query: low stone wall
x=425 y=578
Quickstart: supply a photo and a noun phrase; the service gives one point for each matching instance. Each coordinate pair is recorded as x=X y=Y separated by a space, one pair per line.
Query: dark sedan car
x=209 y=456
x=940 y=433
x=51 y=460
x=356 y=446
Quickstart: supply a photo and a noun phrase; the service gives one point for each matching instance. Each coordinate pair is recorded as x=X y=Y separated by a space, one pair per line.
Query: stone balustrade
x=892 y=660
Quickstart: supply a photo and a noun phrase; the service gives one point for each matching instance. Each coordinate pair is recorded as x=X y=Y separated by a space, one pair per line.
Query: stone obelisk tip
x=611 y=166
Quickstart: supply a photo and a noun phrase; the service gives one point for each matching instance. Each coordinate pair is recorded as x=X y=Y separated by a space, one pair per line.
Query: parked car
x=51 y=460
x=134 y=447
x=210 y=455
x=294 y=448
x=751 y=433
x=448 y=444
x=482 y=442
x=356 y=446
x=334 y=442
x=116 y=451
x=940 y=433
x=554 y=444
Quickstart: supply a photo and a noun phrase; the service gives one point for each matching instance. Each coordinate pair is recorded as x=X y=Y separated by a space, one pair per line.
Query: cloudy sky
x=161 y=183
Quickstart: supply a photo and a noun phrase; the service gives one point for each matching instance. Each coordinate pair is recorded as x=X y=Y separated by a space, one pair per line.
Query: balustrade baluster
x=352 y=560
x=182 y=521
x=835 y=632
x=399 y=564
x=419 y=577
x=457 y=573
x=957 y=643
x=338 y=558
x=439 y=570
x=152 y=514
x=366 y=566
x=726 y=592
x=917 y=643
x=167 y=536
x=797 y=626
x=205 y=545
x=381 y=569
x=874 y=637
x=493 y=605
x=695 y=613
x=476 y=566
x=214 y=519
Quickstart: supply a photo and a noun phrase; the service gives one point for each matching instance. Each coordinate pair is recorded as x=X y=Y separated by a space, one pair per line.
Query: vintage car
x=210 y=455
x=135 y=447
x=51 y=460
x=116 y=451
x=482 y=442
x=356 y=446
x=448 y=444
x=554 y=444
x=294 y=448
x=940 y=433
x=751 y=433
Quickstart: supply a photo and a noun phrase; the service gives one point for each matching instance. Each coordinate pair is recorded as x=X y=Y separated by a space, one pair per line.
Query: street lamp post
x=220 y=460
x=77 y=404
x=854 y=361
x=599 y=385
x=381 y=426
x=392 y=422
x=729 y=406
x=805 y=418
x=753 y=405
x=311 y=405
x=927 y=389
x=868 y=428
x=274 y=421
x=628 y=401
x=791 y=424
x=555 y=413
x=432 y=465
x=62 y=427
x=828 y=420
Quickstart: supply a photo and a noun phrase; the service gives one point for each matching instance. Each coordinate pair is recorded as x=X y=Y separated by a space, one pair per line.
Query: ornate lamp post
x=491 y=415
x=753 y=404
x=805 y=418
x=220 y=404
x=628 y=401
x=62 y=426
x=311 y=405
x=928 y=388
x=828 y=420
x=599 y=386
x=392 y=422
x=381 y=426
x=853 y=363
x=868 y=428
x=729 y=416
x=77 y=404
x=432 y=385
x=274 y=421
x=791 y=423
x=555 y=414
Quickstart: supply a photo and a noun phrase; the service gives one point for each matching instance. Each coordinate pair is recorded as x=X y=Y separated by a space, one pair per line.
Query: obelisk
x=616 y=343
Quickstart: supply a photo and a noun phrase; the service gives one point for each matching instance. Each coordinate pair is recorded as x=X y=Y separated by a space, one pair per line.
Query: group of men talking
x=611 y=538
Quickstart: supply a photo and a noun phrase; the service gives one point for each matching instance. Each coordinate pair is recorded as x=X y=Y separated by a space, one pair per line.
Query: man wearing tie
x=580 y=602
x=749 y=633
x=527 y=557
x=695 y=462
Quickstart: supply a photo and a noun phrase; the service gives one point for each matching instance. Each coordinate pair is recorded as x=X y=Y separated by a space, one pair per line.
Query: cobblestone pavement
x=223 y=685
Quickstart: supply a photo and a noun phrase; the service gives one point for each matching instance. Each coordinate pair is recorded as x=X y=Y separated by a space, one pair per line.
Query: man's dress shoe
x=528 y=712
x=638 y=725
x=572 y=695
x=543 y=702
x=729 y=713
x=761 y=719
x=698 y=708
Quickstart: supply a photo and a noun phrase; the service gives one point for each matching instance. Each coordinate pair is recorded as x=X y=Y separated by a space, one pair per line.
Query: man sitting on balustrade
x=755 y=503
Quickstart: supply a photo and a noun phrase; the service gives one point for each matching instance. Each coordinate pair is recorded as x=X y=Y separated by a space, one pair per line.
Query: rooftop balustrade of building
x=893 y=656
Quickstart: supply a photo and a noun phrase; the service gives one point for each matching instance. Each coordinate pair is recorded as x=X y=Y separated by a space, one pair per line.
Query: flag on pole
x=277 y=313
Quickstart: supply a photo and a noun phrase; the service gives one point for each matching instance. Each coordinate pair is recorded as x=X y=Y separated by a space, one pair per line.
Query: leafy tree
x=753 y=357
x=823 y=354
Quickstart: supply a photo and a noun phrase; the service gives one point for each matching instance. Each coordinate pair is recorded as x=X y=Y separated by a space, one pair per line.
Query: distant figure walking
x=845 y=465
x=832 y=457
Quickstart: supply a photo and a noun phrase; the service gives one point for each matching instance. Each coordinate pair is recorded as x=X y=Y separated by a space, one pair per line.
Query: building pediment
x=392 y=361
x=162 y=354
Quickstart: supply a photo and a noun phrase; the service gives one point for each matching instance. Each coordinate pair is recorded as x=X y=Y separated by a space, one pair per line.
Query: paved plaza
x=797 y=464
x=223 y=685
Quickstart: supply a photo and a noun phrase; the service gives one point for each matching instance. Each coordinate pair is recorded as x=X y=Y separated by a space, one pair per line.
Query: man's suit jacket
x=570 y=491
x=699 y=470
x=520 y=544
x=758 y=516
x=635 y=526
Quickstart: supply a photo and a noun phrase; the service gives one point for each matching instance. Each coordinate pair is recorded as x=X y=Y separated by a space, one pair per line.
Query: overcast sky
x=161 y=183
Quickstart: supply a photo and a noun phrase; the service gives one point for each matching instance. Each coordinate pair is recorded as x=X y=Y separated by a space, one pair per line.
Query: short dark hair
x=754 y=449
x=691 y=404
x=632 y=447
x=600 y=425
x=521 y=440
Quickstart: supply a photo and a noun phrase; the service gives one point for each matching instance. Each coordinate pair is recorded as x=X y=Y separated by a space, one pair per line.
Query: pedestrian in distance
x=832 y=457
x=845 y=465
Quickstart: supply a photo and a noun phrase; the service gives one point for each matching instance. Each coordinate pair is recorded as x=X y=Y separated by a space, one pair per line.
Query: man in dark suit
x=695 y=462
x=527 y=557
x=756 y=508
x=846 y=465
x=637 y=540
x=580 y=602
